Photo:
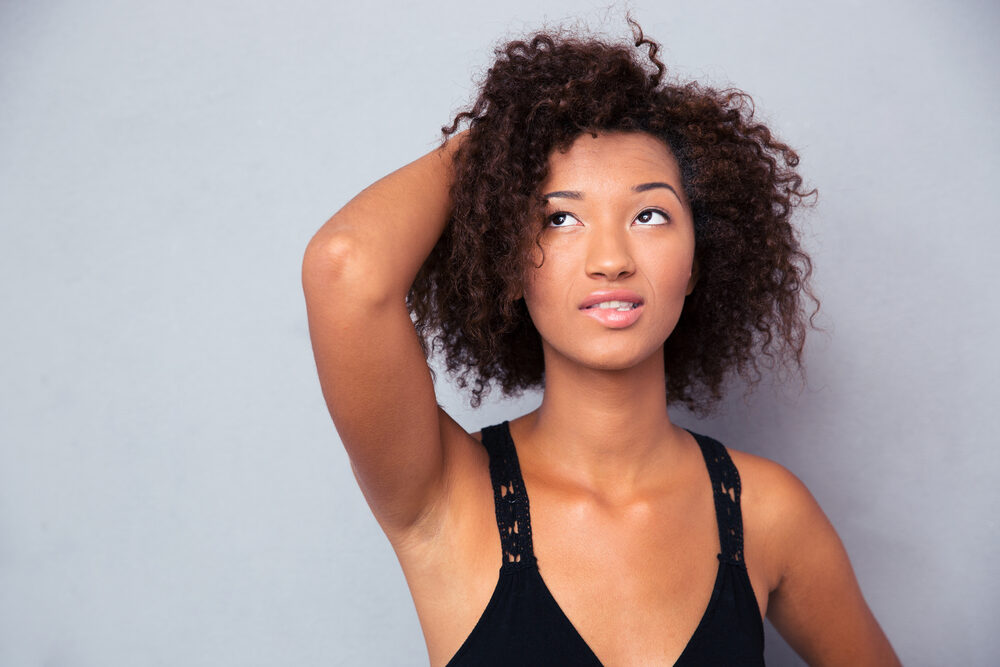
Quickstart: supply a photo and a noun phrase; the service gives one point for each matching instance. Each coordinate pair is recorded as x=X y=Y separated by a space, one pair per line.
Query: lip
x=614 y=319
x=611 y=295
x=609 y=317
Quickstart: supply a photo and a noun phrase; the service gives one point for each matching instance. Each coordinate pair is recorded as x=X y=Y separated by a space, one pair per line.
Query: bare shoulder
x=814 y=601
x=778 y=511
x=771 y=490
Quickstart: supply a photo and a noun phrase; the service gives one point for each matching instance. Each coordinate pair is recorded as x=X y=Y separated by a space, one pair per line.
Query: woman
x=623 y=244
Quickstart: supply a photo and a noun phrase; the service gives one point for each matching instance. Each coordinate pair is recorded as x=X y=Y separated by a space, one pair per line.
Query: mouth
x=614 y=308
x=620 y=306
x=614 y=314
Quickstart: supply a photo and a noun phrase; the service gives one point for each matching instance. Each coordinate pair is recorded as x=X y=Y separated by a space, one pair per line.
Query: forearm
x=385 y=233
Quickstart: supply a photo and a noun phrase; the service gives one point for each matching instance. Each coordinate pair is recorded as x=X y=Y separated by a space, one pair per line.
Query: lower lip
x=612 y=318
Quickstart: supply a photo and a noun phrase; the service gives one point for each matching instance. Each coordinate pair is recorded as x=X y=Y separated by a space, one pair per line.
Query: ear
x=694 y=277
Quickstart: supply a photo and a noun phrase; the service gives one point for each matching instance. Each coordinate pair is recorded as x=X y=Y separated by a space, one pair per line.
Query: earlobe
x=694 y=277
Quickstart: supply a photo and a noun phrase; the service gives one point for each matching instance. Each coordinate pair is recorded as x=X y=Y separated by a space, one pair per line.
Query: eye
x=648 y=217
x=560 y=219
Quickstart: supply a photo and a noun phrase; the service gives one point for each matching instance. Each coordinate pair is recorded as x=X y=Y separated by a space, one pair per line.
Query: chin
x=614 y=360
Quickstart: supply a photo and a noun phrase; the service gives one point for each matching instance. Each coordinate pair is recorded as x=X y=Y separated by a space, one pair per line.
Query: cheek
x=542 y=278
x=679 y=277
x=670 y=270
x=538 y=289
x=546 y=297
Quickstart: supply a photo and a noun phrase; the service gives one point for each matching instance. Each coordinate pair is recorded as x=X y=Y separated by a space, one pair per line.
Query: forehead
x=611 y=157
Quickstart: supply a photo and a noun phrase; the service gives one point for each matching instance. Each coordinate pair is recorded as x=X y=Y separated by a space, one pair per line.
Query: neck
x=607 y=432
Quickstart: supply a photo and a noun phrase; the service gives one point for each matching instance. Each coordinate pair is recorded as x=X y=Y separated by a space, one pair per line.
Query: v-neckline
x=533 y=565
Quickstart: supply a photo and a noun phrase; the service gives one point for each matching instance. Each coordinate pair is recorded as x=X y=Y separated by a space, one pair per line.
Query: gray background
x=172 y=491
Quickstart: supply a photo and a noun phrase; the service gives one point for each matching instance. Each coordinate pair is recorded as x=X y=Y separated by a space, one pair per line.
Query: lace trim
x=509 y=496
x=510 y=499
x=726 y=490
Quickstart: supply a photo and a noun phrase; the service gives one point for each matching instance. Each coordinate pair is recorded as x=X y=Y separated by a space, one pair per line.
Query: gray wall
x=172 y=491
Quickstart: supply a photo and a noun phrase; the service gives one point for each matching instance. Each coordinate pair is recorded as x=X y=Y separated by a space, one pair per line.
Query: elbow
x=327 y=254
x=326 y=260
x=335 y=263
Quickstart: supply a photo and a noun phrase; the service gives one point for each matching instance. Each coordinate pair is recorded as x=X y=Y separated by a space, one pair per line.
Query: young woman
x=624 y=244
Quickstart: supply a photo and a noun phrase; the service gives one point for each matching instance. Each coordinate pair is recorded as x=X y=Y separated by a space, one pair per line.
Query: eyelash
x=555 y=215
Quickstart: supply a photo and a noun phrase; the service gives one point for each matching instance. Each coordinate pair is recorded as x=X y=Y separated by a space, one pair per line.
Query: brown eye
x=560 y=219
x=652 y=216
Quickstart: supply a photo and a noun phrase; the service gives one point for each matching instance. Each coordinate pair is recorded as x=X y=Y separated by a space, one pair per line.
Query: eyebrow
x=642 y=187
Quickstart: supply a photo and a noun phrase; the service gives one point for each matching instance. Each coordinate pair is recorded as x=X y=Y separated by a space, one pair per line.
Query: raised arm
x=356 y=273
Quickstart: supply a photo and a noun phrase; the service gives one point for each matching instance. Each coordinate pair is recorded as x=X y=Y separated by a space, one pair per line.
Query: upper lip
x=611 y=295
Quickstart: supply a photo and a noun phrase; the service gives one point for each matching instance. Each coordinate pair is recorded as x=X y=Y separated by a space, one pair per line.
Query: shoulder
x=771 y=488
x=814 y=600
x=779 y=512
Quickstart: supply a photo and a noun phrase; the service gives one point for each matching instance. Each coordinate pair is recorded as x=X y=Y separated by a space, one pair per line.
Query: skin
x=622 y=515
x=604 y=410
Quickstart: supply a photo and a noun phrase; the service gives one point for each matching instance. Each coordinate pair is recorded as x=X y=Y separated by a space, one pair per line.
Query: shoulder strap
x=726 y=490
x=509 y=497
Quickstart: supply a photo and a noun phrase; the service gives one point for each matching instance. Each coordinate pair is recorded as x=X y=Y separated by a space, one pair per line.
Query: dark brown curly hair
x=538 y=96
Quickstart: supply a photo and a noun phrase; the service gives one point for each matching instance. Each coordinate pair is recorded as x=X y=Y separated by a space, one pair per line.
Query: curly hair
x=538 y=96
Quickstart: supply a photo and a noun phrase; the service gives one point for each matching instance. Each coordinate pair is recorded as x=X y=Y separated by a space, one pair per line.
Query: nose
x=608 y=254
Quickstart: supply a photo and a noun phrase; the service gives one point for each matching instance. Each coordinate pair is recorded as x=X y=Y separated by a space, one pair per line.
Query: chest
x=627 y=582
x=634 y=581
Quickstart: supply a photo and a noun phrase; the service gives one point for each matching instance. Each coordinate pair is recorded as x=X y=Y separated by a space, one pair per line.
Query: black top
x=523 y=625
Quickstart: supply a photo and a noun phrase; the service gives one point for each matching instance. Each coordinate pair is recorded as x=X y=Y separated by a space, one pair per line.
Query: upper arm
x=377 y=386
x=817 y=605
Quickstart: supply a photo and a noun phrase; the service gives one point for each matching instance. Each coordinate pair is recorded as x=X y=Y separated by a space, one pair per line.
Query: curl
x=747 y=310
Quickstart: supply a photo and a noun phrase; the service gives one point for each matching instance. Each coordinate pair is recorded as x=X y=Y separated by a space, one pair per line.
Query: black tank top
x=523 y=625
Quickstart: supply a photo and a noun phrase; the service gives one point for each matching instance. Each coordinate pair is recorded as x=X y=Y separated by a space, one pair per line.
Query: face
x=618 y=248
